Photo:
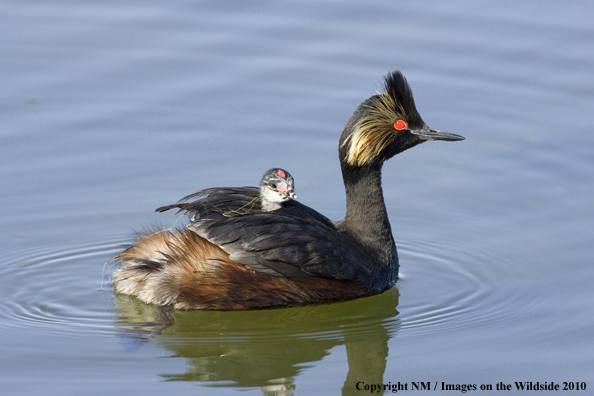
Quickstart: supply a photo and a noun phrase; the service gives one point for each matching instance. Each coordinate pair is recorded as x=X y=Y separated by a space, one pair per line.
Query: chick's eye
x=400 y=125
x=273 y=185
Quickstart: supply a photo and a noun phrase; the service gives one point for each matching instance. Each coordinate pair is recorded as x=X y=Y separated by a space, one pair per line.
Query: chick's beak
x=287 y=193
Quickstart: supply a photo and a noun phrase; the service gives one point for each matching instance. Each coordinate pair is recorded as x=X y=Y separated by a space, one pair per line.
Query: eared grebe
x=242 y=250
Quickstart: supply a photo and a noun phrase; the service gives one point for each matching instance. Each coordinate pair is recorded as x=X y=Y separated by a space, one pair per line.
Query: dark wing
x=297 y=209
x=228 y=201
x=291 y=241
x=279 y=243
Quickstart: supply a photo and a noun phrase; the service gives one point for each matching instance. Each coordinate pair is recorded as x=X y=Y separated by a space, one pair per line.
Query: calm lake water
x=111 y=109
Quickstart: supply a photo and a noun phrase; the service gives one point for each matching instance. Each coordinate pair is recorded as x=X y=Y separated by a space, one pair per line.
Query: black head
x=385 y=125
x=277 y=186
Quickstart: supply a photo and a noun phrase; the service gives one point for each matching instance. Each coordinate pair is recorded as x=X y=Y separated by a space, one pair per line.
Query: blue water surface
x=111 y=109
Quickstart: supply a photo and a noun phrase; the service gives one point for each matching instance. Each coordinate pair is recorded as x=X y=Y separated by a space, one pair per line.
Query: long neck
x=366 y=217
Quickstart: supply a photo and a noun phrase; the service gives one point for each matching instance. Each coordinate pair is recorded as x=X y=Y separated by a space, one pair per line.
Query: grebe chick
x=237 y=254
x=277 y=186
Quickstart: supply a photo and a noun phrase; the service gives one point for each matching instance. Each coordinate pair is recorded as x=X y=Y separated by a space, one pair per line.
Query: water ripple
x=449 y=286
x=445 y=286
x=48 y=288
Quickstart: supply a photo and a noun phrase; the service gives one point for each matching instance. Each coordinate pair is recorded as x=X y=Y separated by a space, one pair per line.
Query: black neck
x=366 y=217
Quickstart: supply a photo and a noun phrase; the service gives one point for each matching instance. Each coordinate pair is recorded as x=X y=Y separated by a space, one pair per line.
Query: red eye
x=400 y=125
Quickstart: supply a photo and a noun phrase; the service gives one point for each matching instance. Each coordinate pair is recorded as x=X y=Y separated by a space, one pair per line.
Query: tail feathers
x=160 y=265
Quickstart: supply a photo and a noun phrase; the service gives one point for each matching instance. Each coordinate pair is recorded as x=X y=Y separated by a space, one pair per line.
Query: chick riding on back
x=241 y=252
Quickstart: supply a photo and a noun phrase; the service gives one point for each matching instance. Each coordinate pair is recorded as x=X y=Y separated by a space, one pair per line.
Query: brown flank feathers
x=185 y=271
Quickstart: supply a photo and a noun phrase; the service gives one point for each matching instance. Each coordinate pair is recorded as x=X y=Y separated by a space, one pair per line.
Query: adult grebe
x=236 y=253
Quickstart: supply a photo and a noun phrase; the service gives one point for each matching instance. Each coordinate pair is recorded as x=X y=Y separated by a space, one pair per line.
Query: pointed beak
x=427 y=133
x=289 y=194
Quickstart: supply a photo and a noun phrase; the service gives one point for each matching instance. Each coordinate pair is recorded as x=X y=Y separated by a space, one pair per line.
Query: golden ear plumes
x=374 y=132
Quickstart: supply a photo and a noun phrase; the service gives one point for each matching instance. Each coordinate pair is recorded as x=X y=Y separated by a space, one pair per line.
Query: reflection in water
x=266 y=348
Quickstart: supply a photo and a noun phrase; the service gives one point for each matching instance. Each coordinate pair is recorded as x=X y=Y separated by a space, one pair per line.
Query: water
x=110 y=110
